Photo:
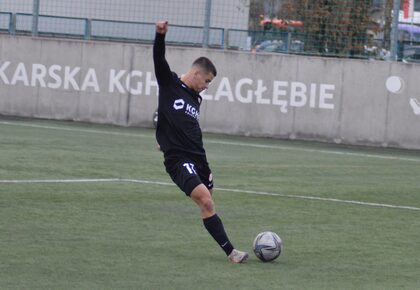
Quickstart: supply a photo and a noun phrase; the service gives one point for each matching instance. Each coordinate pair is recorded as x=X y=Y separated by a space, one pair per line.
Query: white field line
x=64 y=128
x=315 y=151
x=209 y=141
x=142 y=181
x=20 y=181
x=374 y=204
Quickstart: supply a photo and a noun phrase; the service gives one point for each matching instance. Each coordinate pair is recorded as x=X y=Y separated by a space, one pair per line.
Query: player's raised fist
x=162 y=26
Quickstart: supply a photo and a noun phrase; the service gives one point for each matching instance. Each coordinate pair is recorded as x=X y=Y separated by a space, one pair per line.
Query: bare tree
x=336 y=27
x=388 y=21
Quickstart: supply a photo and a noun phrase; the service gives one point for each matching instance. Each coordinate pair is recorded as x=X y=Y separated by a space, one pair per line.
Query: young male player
x=179 y=136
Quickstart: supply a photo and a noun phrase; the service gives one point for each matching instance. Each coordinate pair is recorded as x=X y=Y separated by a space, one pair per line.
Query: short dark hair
x=206 y=65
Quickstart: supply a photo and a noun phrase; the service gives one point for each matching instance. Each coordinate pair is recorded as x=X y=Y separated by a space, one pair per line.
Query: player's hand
x=162 y=26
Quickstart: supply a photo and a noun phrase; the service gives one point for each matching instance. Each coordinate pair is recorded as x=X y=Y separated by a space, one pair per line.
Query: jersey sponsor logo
x=190 y=110
x=179 y=104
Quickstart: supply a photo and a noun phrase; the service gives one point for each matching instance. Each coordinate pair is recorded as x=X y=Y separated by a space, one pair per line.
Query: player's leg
x=202 y=196
x=198 y=184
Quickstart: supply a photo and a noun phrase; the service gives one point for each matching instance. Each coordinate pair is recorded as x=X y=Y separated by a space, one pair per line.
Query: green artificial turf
x=91 y=207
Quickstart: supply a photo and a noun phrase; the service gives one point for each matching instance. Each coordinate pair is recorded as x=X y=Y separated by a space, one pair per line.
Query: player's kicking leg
x=202 y=196
x=237 y=256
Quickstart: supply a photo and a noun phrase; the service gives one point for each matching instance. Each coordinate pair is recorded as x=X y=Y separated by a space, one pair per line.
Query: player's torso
x=178 y=115
x=181 y=103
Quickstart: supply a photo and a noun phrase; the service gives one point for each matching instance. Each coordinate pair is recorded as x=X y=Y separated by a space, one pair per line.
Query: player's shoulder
x=174 y=79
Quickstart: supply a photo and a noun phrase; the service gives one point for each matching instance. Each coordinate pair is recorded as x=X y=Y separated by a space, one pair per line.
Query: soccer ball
x=268 y=246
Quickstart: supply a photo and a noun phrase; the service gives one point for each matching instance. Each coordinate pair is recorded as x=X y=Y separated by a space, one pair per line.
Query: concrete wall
x=296 y=97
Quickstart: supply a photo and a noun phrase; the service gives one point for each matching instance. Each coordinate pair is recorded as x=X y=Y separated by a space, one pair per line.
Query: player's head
x=201 y=74
x=205 y=65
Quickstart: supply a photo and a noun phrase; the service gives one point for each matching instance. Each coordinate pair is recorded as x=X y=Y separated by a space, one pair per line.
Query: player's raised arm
x=162 y=71
x=162 y=27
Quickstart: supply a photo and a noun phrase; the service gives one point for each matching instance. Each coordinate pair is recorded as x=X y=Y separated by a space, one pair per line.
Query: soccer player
x=179 y=136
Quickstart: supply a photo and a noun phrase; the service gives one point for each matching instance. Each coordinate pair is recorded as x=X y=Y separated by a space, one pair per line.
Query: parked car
x=408 y=33
x=271 y=46
x=411 y=54
x=409 y=43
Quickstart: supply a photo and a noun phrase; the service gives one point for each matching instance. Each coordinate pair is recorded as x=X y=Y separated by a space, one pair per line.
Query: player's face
x=202 y=80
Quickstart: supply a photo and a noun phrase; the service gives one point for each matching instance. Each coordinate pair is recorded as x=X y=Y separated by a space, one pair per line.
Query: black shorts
x=189 y=171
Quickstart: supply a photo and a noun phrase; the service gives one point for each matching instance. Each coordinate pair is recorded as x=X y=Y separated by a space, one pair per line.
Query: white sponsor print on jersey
x=190 y=110
x=179 y=104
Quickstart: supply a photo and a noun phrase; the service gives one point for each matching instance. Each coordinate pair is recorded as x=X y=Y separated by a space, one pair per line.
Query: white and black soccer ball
x=267 y=246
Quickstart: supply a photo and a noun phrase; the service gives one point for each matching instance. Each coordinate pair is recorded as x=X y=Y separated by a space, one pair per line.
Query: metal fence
x=341 y=28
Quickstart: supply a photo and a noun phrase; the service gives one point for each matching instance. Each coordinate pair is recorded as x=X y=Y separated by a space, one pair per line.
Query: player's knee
x=201 y=195
x=207 y=204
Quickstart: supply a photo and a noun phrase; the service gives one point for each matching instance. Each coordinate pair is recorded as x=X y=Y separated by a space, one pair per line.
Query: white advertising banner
x=286 y=96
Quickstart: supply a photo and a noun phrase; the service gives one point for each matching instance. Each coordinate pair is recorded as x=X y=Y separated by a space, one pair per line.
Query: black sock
x=215 y=227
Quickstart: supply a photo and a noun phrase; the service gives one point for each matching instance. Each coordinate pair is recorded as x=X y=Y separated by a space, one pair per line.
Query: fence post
x=206 y=27
x=289 y=41
x=225 y=38
x=35 y=17
x=88 y=28
x=394 y=29
x=12 y=24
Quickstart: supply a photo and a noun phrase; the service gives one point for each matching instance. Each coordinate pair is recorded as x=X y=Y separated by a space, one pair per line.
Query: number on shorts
x=190 y=168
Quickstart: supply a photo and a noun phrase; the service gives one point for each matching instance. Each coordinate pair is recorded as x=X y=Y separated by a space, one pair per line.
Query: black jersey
x=178 y=129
